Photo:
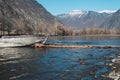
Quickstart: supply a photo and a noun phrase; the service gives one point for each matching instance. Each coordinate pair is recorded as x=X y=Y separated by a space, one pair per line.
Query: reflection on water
x=56 y=63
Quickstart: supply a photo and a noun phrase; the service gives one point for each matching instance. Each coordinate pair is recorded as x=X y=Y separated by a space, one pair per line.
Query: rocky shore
x=115 y=74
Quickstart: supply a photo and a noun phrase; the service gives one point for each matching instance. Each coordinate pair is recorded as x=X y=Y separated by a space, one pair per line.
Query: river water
x=28 y=63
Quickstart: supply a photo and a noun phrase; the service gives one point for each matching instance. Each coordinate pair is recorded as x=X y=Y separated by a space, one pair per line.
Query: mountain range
x=30 y=17
x=113 y=21
x=79 y=19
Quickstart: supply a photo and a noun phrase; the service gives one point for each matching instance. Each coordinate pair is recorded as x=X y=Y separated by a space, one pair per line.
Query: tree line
x=87 y=31
x=21 y=26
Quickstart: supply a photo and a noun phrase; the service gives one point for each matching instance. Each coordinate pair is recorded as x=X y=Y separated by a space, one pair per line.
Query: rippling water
x=87 y=40
x=59 y=63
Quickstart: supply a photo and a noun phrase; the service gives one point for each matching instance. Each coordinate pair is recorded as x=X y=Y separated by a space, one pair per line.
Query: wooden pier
x=38 y=45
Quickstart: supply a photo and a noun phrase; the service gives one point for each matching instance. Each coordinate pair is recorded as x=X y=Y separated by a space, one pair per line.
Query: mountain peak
x=107 y=11
x=73 y=13
x=79 y=19
x=77 y=12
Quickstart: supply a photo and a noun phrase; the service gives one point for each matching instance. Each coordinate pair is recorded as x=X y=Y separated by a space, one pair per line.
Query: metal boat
x=19 y=41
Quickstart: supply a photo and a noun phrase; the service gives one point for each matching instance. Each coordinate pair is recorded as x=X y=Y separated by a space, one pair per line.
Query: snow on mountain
x=73 y=13
x=79 y=19
x=113 y=21
x=77 y=12
x=107 y=11
x=83 y=12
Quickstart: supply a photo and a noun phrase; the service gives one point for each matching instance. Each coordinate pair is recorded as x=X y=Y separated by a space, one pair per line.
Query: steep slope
x=24 y=16
x=83 y=19
x=112 y=22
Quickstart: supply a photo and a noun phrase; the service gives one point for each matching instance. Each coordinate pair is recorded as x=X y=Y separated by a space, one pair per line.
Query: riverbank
x=115 y=74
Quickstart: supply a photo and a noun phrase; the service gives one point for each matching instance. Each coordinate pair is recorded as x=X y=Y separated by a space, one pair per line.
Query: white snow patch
x=107 y=11
x=77 y=12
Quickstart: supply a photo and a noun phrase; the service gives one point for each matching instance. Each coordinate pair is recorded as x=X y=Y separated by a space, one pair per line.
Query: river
x=28 y=63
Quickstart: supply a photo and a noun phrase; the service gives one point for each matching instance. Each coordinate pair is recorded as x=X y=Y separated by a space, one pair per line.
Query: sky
x=56 y=7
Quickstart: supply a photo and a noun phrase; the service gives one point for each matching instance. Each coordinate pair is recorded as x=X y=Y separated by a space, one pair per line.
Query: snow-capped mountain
x=107 y=11
x=113 y=21
x=72 y=14
x=77 y=12
x=79 y=19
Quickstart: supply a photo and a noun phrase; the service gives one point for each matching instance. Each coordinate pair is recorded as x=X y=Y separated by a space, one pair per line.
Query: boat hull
x=20 y=41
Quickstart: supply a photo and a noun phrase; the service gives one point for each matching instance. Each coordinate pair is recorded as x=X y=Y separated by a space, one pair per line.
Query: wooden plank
x=38 y=45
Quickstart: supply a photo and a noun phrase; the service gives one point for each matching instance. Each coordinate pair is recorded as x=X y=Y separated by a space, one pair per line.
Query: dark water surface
x=87 y=40
x=59 y=63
